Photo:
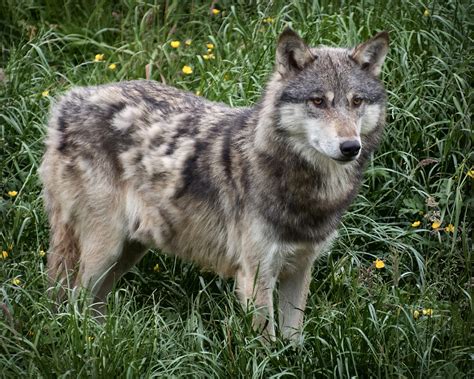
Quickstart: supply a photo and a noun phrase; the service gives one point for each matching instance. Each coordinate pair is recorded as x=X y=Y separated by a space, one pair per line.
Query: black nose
x=350 y=148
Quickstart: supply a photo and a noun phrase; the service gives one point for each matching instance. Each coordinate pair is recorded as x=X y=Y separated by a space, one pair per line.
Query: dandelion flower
x=416 y=314
x=45 y=93
x=175 y=44
x=427 y=312
x=12 y=193
x=426 y=13
x=215 y=11
x=470 y=173
x=436 y=225
x=379 y=264
x=112 y=66
x=16 y=281
x=41 y=253
x=156 y=268
x=449 y=228
x=188 y=42
x=99 y=57
x=210 y=46
x=4 y=254
x=416 y=224
x=187 y=70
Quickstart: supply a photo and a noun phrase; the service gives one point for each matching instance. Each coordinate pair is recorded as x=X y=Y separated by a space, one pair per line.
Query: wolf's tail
x=64 y=249
x=63 y=254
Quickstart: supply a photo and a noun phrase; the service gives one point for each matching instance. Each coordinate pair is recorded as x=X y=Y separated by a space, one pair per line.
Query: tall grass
x=411 y=319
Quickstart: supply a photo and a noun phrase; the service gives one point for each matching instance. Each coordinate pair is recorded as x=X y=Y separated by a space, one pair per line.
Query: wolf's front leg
x=259 y=268
x=256 y=289
x=293 y=292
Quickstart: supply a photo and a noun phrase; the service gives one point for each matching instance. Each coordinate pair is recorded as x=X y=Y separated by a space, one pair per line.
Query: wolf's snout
x=350 y=148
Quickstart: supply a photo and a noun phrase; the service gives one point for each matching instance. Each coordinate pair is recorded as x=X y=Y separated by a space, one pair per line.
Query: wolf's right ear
x=292 y=53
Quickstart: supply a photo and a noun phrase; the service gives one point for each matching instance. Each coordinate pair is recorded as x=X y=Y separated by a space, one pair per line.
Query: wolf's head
x=325 y=100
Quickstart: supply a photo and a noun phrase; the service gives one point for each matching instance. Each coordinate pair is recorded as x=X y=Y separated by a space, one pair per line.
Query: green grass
x=178 y=321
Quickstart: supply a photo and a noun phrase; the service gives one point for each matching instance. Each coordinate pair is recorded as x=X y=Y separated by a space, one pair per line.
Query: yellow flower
x=45 y=93
x=210 y=46
x=268 y=20
x=427 y=312
x=426 y=13
x=208 y=56
x=112 y=66
x=90 y=338
x=416 y=224
x=470 y=173
x=187 y=70
x=416 y=314
x=379 y=264
x=188 y=42
x=42 y=253
x=175 y=44
x=436 y=225
x=10 y=247
x=12 y=193
x=16 y=281
x=215 y=11
x=449 y=228
x=4 y=254
x=198 y=93
x=156 y=268
x=99 y=57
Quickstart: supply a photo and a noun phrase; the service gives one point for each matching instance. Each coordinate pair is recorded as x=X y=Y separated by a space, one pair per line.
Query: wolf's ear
x=371 y=54
x=292 y=53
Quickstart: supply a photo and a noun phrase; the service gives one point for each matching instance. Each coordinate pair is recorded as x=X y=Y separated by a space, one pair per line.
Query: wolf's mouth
x=345 y=160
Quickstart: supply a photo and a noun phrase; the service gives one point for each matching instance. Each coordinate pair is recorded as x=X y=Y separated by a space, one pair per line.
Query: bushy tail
x=63 y=255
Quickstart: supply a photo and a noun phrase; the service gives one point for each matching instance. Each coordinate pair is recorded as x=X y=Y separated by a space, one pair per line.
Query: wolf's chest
x=309 y=211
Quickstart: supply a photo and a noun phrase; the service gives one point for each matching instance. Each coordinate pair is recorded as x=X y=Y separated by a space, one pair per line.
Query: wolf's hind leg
x=132 y=253
x=101 y=247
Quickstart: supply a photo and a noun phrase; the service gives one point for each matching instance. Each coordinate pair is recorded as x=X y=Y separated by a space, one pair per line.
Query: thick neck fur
x=301 y=193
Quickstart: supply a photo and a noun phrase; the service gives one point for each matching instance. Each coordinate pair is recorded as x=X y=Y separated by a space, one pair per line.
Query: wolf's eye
x=356 y=101
x=318 y=101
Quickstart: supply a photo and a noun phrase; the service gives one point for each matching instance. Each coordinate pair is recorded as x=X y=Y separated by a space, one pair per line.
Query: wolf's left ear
x=292 y=53
x=371 y=54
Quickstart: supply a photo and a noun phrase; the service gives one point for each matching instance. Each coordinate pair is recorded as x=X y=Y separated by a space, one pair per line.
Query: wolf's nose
x=350 y=148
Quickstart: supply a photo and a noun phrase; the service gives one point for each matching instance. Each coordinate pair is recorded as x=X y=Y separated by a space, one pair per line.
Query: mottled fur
x=251 y=193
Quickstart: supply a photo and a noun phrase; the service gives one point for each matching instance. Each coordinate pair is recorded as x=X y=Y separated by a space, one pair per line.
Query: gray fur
x=252 y=193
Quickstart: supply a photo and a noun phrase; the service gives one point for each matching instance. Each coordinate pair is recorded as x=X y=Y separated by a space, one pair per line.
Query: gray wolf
x=251 y=193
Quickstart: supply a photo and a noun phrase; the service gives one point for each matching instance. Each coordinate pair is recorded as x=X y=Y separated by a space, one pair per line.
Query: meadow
x=393 y=297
